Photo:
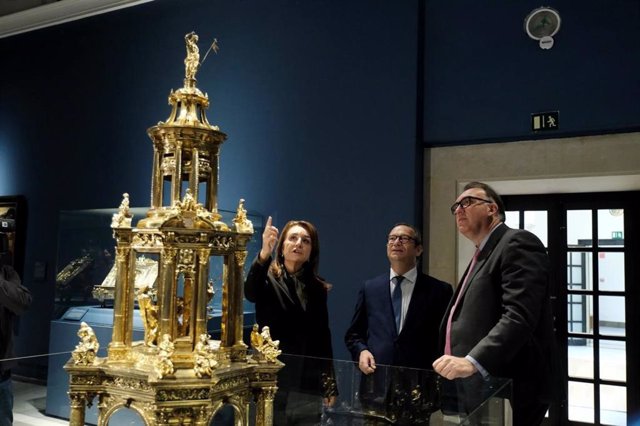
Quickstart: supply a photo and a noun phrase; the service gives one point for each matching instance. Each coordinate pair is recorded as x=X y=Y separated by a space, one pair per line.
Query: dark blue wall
x=318 y=99
x=485 y=76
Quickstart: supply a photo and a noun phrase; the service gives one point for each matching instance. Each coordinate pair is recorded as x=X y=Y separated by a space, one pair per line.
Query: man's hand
x=367 y=364
x=453 y=367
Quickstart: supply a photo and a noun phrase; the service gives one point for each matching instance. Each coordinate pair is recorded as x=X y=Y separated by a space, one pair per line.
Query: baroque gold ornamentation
x=183 y=394
x=147 y=240
x=241 y=257
x=86 y=351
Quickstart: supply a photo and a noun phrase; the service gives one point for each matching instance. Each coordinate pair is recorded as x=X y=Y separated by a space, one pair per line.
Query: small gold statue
x=205 y=357
x=192 y=61
x=241 y=222
x=149 y=315
x=86 y=351
x=164 y=365
x=122 y=219
x=265 y=349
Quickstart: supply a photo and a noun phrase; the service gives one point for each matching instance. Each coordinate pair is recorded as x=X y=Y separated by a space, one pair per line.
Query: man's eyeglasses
x=466 y=202
x=404 y=239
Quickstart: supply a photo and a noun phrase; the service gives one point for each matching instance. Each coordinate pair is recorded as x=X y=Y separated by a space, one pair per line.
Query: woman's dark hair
x=311 y=266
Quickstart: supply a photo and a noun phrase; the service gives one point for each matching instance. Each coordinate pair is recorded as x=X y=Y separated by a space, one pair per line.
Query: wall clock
x=542 y=24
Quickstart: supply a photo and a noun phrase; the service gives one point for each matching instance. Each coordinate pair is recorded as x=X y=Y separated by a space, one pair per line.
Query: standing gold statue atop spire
x=192 y=61
x=177 y=374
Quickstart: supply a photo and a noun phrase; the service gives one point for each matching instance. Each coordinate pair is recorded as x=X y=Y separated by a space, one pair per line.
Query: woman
x=291 y=300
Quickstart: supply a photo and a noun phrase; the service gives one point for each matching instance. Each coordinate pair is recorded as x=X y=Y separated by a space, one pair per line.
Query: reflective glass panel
x=581 y=402
x=579 y=313
x=579 y=228
x=613 y=360
x=580 y=358
x=612 y=315
x=611 y=271
x=579 y=271
x=611 y=228
x=512 y=219
x=613 y=405
x=535 y=221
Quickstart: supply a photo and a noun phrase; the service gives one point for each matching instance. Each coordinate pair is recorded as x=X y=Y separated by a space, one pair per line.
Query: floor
x=29 y=405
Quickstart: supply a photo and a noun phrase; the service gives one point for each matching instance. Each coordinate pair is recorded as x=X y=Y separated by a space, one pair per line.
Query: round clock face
x=542 y=22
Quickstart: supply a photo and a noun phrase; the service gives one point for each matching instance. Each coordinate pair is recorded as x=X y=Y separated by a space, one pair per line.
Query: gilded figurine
x=149 y=315
x=192 y=61
x=164 y=365
x=86 y=351
x=241 y=222
x=205 y=357
x=265 y=349
x=122 y=219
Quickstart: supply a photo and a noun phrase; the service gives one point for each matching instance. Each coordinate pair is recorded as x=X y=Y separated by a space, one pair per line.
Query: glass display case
x=401 y=396
x=86 y=258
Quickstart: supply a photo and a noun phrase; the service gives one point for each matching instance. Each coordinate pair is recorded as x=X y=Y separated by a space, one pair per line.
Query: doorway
x=592 y=240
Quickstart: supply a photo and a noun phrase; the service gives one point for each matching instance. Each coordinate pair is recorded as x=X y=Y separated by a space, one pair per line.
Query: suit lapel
x=384 y=295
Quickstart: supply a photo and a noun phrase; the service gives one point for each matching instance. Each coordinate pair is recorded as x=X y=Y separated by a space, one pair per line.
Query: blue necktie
x=396 y=300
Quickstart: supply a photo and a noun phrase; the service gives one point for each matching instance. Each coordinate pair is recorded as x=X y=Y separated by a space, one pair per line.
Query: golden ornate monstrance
x=178 y=374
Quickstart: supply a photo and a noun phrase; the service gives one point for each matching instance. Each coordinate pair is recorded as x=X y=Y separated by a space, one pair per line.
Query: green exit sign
x=545 y=121
x=617 y=235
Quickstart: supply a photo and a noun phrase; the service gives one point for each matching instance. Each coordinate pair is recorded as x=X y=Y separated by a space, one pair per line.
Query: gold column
x=156 y=178
x=201 y=297
x=264 y=405
x=77 y=408
x=121 y=292
x=176 y=182
x=237 y=298
x=167 y=292
x=195 y=172
x=227 y=339
x=212 y=195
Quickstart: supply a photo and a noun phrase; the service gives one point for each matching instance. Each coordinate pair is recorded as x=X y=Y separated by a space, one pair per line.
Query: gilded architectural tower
x=177 y=374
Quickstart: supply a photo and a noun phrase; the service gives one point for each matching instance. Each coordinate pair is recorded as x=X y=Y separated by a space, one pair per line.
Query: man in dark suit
x=499 y=321
x=395 y=326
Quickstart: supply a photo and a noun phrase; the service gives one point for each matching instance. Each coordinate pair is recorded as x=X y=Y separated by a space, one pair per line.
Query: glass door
x=592 y=240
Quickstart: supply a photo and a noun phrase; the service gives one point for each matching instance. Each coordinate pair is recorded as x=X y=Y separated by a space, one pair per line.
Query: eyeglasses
x=404 y=239
x=466 y=202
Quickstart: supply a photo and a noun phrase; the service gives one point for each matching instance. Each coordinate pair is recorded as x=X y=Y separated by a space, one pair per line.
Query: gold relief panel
x=147 y=240
x=198 y=394
x=129 y=384
x=80 y=380
x=235 y=382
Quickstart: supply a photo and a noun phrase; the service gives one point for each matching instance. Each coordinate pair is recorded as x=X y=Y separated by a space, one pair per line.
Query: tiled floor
x=29 y=404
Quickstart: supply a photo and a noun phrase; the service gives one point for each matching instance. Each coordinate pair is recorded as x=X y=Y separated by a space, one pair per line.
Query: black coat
x=304 y=335
x=14 y=300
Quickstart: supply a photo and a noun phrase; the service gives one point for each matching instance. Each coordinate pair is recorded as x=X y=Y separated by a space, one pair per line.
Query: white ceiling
x=19 y=16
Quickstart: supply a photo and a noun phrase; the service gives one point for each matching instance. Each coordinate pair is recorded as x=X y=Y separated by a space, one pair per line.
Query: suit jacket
x=300 y=331
x=373 y=325
x=504 y=319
